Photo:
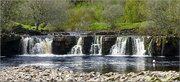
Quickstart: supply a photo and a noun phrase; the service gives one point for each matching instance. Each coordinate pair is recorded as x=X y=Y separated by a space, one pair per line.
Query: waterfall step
x=36 y=45
x=97 y=45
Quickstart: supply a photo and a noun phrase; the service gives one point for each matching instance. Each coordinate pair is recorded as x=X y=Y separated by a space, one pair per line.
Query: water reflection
x=100 y=64
x=140 y=61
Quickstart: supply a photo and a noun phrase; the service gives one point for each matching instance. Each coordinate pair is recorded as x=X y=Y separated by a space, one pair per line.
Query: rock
x=10 y=45
x=9 y=74
x=63 y=44
x=86 y=44
x=141 y=73
x=20 y=30
x=108 y=42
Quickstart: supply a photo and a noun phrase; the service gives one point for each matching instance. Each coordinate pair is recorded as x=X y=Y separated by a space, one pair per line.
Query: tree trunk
x=36 y=25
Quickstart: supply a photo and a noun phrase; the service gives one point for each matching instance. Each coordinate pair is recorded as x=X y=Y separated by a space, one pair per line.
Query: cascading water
x=96 y=47
x=35 y=45
x=150 y=47
x=138 y=46
x=119 y=48
x=77 y=49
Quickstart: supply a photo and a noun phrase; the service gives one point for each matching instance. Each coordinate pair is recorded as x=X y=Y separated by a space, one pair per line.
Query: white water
x=162 y=49
x=150 y=47
x=36 y=45
x=138 y=46
x=119 y=48
x=77 y=49
x=96 y=47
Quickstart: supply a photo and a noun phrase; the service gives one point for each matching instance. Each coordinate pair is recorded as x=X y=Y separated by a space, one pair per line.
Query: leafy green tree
x=111 y=14
x=164 y=14
x=46 y=11
x=9 y=10
x=134 y=11
x=79 y=20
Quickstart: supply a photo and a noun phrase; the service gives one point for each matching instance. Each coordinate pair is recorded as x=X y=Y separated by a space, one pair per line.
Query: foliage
x=139 y=25
x=80 y=18
x=150 y=17
x=46 y=11
x=165 y=15
x=9 y=10
x=112 y=13
x=134 y=11
x=99 y=26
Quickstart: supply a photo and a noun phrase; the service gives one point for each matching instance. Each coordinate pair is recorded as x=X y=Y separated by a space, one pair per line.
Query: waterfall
x=162 y=49
x=77 y=49
x=96 y=47
x=35 y=45
x=150 y=47
x=119 y=48
x=24 y=42
x=138 y=46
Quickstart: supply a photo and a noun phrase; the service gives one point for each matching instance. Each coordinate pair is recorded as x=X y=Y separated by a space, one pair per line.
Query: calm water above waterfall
x=126 y=54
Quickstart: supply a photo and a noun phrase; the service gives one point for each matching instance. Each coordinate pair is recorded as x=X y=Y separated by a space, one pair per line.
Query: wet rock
x=87 y=41
x=63 y=44
x=10 y=45
x=108 y=42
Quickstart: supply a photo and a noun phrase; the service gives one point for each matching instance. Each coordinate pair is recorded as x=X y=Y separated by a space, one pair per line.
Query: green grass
x=99 y=26
x=132 y=25
x=105 y=26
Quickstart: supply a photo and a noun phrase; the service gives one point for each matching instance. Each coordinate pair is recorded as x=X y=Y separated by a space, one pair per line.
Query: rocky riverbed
x=36 y=73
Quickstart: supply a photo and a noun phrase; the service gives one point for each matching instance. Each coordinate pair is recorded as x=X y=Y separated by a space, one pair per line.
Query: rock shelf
x=37 y=73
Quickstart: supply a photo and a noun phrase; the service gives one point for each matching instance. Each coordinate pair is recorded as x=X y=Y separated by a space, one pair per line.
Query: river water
x=102 y=64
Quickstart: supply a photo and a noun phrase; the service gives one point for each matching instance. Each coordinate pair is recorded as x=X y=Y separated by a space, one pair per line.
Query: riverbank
x=36 y=73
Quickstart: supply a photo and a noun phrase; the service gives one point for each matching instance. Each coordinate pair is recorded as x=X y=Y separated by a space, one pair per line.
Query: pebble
x=36 y=73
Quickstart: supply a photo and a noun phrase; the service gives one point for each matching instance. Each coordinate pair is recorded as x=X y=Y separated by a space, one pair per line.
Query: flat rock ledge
x=36 y=73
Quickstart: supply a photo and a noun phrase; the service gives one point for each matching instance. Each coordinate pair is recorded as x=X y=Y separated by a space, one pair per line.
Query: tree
x=164 y=14
x=134 y=11
x=112 y=13
x=46 y=11
x=9 y=9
